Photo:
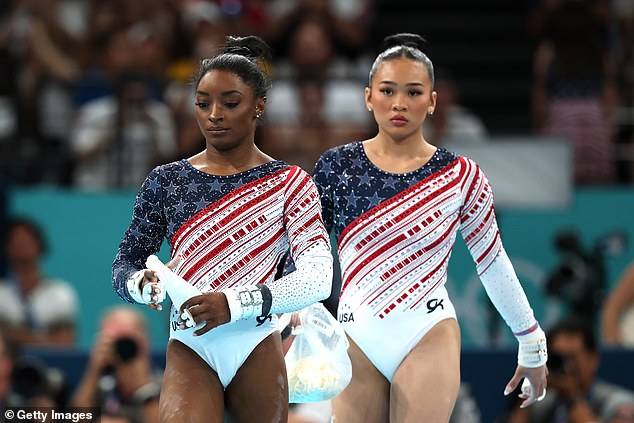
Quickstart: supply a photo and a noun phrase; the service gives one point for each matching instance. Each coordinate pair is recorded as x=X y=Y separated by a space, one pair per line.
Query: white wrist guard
x=134 y=286
x=144 y=296
x=532 y=350
x=247 y=302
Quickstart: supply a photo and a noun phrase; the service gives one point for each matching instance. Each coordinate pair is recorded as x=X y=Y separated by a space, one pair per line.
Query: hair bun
x=404 y=39
x=250 y=46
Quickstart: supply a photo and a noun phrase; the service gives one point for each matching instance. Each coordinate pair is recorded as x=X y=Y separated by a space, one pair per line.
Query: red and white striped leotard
x=231 y=231
x=394 y=243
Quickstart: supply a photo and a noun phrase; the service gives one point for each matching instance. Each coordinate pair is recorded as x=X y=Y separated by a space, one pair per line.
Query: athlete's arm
x=143 y=237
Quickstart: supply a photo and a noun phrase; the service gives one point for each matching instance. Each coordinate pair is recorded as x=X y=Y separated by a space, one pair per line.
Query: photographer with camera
x=118 y=377
x=575 y=394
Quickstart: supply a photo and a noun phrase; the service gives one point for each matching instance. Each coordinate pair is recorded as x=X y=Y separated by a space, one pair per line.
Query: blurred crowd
x=94 y=93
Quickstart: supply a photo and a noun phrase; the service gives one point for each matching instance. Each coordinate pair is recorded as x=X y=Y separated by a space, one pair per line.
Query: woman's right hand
x=211 y=308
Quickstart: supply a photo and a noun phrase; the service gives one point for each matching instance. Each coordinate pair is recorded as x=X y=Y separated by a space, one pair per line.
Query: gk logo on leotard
x=432 y=305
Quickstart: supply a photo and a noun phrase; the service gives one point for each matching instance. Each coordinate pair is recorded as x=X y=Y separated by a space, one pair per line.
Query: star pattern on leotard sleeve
x=170 y=195
x=350 y=184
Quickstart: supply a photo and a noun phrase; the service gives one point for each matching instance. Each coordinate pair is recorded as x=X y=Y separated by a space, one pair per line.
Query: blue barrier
x=487 y=371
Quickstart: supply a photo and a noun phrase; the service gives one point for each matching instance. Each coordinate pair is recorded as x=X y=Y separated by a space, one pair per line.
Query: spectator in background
x=347 y=22
x=118 y=139
x=45 y=44
x=313 y=58
x=574 y=93
x=313 y=106
x=617 y=317
x=452 y=122
x=119 y=378
x=140 y=35
x=34 y=309
x=203 y=26
x=575 y=394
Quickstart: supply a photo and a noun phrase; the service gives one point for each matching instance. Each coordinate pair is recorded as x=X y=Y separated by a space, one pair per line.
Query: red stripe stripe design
x=239 y=239
x=395 y=254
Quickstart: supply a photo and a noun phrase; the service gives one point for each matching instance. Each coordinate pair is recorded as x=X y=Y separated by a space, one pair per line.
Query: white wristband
x=134 y=286
x=244 y=302
x=532 y=350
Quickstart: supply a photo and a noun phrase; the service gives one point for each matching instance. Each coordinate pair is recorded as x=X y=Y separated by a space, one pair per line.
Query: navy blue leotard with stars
x=177 y=199
x=230 y=232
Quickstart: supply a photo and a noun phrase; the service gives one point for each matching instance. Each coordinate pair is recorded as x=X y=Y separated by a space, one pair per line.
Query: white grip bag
x=317 y=362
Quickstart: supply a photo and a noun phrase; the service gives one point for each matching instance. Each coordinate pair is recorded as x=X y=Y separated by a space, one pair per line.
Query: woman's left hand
x=537 y=381
x=211 y=308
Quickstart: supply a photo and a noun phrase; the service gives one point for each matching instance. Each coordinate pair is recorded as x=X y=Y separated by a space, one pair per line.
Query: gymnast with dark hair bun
x=230 y=215
x=395 y=203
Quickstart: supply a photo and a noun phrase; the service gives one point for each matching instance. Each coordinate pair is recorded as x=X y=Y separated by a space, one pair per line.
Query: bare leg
x=259 y=391
x=366 y=398
x=426 y=384
x=191 y=391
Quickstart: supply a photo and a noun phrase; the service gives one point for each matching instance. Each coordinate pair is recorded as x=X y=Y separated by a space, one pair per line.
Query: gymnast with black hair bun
x=230 y=215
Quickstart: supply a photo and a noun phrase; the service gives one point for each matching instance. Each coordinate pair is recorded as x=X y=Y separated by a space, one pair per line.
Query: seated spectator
x=119 y=377
x=347 y=20
x=44 y=54
x=575 y=394
x=574 y=95
x=118 y=139
x=35 y=309
x=312 y=106
x=313 y=61
x=203 y=26
x=617 y=317
x=451 y=121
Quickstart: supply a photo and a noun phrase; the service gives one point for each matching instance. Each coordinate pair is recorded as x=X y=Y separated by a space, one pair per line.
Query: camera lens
x=126 y=349
x=29 y=377
x=558 y=363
